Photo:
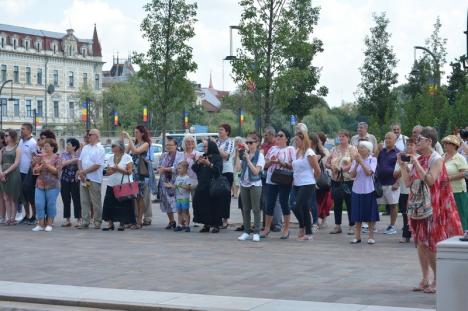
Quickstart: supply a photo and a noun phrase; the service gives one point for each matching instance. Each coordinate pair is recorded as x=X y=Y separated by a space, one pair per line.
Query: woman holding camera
x=251 y=166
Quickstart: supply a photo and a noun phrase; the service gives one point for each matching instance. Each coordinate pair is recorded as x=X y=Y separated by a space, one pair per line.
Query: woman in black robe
x=206 y=209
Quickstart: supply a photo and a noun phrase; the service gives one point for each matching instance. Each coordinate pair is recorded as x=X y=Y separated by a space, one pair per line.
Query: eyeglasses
x=91 y=134
x=421 y=138
x=6 y=135
x=279 y=135
x=250 y=142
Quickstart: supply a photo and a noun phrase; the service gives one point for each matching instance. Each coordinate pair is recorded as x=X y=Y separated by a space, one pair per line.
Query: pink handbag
x=125 y=191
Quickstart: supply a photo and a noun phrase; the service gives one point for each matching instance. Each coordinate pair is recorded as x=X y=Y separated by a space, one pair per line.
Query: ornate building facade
x=48 y=69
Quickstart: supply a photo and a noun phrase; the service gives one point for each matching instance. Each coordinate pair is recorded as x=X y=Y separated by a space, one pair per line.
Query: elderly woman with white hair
x=363 y=199
x=191 y=156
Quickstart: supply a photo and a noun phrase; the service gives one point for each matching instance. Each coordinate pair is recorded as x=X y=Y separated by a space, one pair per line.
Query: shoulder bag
x=324 y=181
x=342 y=189
x=219 y=186
x=282 y=177
x=419 y=204
x=125 y=191
x=377 y=184
x=143 y=170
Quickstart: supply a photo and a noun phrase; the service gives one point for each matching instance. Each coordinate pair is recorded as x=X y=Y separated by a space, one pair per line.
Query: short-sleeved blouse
x=454 y=166
x=47 y=180
x=69 y=171
x=364 y=184
x=339 y=157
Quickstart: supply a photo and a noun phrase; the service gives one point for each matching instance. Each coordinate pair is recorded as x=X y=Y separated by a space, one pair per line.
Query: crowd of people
x=280 y=174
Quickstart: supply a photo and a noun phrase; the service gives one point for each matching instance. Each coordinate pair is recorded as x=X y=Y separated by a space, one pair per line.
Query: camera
x=241 y=153
x=405 y=158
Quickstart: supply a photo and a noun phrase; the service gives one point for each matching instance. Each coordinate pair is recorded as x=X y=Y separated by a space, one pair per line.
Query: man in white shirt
x=362 y=134
x=400 y=138
x=28 y=148
x=90 y=172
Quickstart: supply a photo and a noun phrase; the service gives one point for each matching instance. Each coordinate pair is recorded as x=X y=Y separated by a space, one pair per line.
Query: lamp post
x=436 y=60
x=9 y=99
x=465 y=58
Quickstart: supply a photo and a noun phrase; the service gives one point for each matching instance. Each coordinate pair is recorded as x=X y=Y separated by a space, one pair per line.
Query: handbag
x=125 y=191
x=143 y=170
x=324 y=181
x=342 y=189
x=377 y=185
x=282 y=177
x=419 y=204
x=220 y=187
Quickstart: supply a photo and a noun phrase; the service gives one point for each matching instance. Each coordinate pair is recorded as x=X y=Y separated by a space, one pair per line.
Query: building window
x=39 y=108
x=28 y=75
x=38 y=46
x=96 y=81
x=2 y=42
x=85 y=79
x=56 y=81
x=4 y=72
x=16 y=108
x=70 y=79
x=3 y=106
x=70 y=51
x=39 y=76
x=28 y=108
x=16 y=74
x=55 y=48
x=83 y=52
x=56 y=109
x=26 y=45
x=14 y=43
x=71 y=110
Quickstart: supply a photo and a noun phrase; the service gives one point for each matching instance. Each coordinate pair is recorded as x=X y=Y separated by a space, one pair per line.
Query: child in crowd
x=182 y=188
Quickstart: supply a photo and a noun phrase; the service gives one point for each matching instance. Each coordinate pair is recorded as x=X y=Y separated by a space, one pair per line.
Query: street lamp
x=436 y=60
x=231 y=56
x=9 y=99
x=465 y=59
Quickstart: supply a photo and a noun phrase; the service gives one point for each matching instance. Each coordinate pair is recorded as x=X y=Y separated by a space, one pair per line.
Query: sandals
x=431 y=289
x=305 y=238
x=135 y=227
x=171 y=225
x=423 y=285
x=355 y=241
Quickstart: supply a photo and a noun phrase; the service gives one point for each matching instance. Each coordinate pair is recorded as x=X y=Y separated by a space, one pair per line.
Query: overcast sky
x=342 y=27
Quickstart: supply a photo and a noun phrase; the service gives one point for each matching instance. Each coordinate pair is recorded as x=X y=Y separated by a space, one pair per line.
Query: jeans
x=251 y=202
x=313 y=207
x=272 y=194
x=46 y=202
x=305 y=198
x=338 y=203
x=71 y=191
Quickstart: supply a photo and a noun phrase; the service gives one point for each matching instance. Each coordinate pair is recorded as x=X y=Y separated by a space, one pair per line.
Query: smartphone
x=405 y=158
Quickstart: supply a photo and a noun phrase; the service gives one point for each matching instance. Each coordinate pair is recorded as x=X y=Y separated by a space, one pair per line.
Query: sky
x=342 y=27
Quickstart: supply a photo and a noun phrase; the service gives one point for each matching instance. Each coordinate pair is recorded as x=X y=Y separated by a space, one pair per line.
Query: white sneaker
x=256 y=237
x=244 y=237
x=48 y=228
x=38 y=228
x=390 y=230
x=19 y=216
x=315 y=228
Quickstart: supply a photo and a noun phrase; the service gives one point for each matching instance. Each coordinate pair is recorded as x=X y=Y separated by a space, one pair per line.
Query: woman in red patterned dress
x=444 y=221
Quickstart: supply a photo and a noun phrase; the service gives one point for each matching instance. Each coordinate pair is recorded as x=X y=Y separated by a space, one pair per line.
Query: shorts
x=182 y=205
x=389 y=196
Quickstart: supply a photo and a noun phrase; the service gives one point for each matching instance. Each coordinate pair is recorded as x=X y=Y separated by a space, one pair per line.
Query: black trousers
x=403 y=207
x=338 y=204
x=71 y=191
x=304 y=198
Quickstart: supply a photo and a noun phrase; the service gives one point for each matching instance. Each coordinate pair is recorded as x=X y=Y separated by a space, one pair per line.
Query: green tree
x=275 y=37
x=300 y=78
x=378 y=76
x=168 y=26
x=437 y=45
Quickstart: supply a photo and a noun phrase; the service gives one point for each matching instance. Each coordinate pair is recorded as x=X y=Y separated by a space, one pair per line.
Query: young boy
x=182 y=188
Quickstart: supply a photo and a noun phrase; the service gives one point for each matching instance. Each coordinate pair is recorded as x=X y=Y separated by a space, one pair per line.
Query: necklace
x=117 y=159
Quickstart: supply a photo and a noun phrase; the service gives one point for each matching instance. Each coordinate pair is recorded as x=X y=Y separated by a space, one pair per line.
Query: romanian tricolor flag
x=116 y=118
x=186 y=119
x=145 y=114
x=84 y=112
x=241 y=117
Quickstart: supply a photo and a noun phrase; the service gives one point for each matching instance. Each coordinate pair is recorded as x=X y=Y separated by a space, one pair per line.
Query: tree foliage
x=378 y=76
x=276 y=54
x=168 y=26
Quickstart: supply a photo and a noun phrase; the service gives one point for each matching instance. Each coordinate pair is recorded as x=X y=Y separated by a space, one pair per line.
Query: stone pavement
x=327 y=269
x=65 y=295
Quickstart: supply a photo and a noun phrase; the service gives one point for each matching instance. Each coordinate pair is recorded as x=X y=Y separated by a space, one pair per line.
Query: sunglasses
x=421 y=138
x=250 y=142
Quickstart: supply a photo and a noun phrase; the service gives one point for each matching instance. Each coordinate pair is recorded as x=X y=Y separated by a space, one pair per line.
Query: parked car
x=199 y=137
x=157 y=152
